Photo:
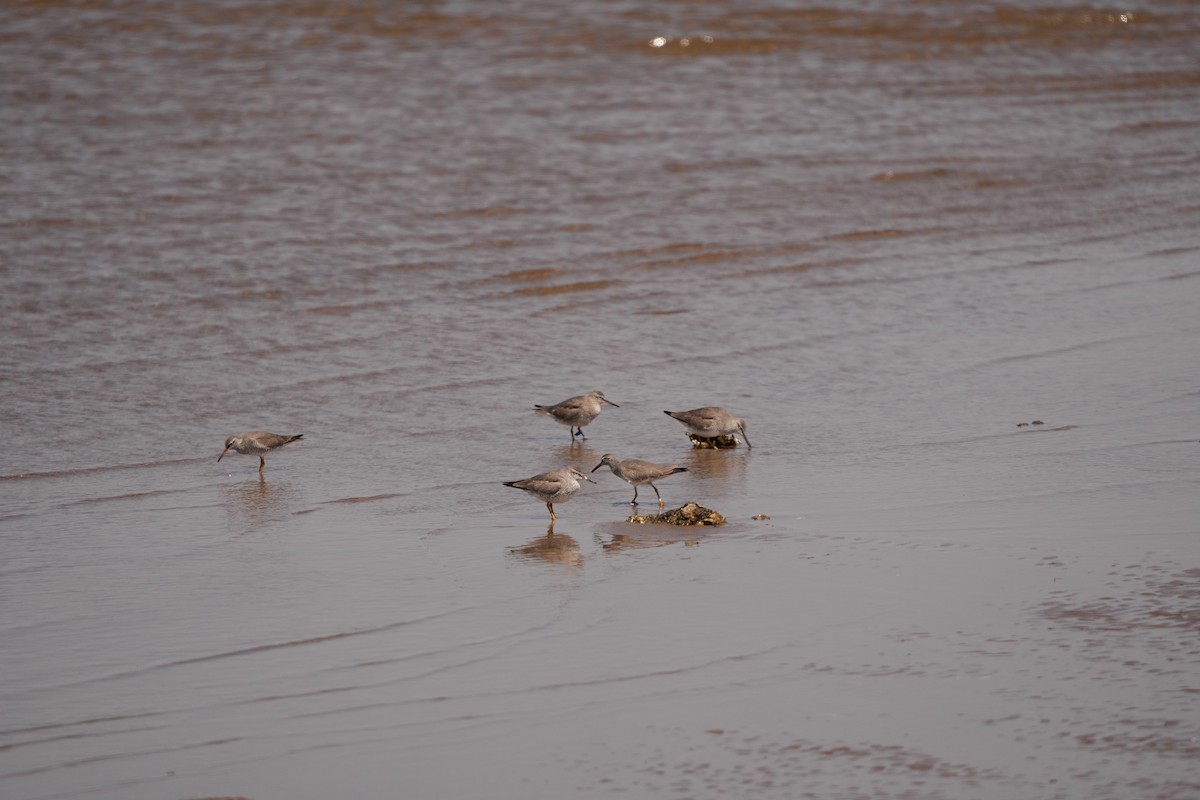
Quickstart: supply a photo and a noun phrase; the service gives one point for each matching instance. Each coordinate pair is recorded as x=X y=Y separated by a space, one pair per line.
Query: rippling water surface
x=885 y=234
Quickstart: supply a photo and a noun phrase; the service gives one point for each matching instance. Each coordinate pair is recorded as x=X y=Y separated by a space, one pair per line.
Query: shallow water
x=885 y=235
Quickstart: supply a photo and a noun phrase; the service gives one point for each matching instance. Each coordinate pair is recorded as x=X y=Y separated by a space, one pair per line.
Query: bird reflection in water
x=623 y=541
x=252 y=504
x=723 y=464
x=575 y=452
x=553 y=548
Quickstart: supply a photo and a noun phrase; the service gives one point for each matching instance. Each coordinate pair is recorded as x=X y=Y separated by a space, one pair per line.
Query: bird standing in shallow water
x=636 y=472
x=575 y=412
x=558 y=486
x=710 y=422
x=257 y=443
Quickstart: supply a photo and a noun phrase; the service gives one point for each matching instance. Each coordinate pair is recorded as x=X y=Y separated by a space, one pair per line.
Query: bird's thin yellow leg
x=656 y=494
x=551 y=507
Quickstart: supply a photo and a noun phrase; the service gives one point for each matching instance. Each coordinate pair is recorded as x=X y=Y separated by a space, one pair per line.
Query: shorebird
x=710 y=422
x=575 y=412
x=558 y=486
x=257 y=443
x=636 y=472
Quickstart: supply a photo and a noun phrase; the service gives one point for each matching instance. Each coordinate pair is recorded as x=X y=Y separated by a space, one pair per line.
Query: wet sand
x=891 y=240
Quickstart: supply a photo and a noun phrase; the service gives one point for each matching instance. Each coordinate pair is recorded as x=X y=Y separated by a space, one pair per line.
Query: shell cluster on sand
x=687 y=514
x=715 y=443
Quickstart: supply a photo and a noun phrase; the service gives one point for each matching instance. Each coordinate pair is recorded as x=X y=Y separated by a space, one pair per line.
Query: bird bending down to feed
x=558 y=486
x=636 y=473
x=710 y=422
x=257 y=443
x=575 y=412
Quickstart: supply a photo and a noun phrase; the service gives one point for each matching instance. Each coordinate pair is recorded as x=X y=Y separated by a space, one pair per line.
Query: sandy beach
x=942 y=260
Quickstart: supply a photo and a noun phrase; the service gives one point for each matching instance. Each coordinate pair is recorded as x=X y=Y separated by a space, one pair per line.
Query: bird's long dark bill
x=747 y=438
x=611 y=403
x=223 y=452
x=598 y=466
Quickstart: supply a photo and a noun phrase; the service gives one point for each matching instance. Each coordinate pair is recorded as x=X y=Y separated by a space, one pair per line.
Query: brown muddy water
x=885 y=234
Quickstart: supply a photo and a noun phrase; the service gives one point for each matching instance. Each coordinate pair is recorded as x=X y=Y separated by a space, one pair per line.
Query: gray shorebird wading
x=575 y=412
x=710 y=422
x=636 y=472
x=257 y=443
x=558 y=486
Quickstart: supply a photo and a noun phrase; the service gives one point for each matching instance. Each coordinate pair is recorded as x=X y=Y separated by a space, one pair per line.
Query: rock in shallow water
x=716 y=442
x=687 y=514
